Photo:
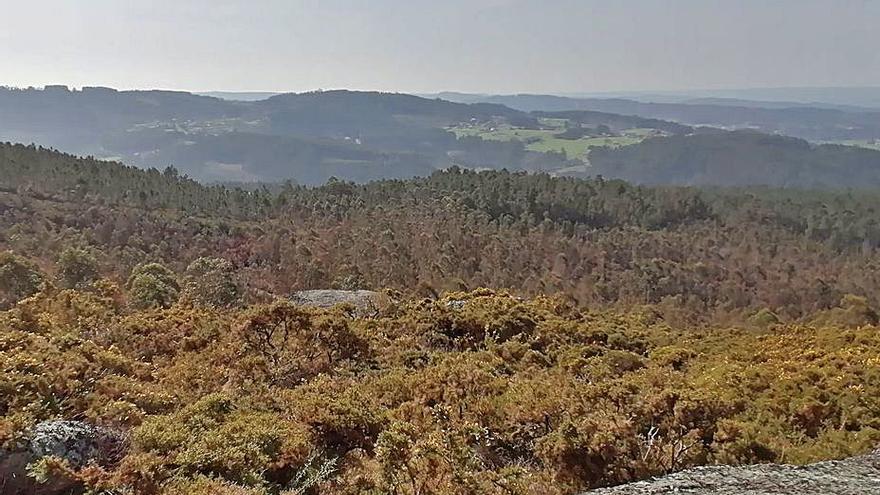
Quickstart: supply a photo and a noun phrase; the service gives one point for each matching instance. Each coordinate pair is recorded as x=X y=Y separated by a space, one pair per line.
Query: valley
x=308 y=138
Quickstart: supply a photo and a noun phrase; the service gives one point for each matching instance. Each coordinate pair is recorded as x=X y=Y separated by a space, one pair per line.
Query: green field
x=544 y=140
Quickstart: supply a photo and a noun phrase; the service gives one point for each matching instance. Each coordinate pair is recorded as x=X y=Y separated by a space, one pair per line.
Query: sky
x=486 y=46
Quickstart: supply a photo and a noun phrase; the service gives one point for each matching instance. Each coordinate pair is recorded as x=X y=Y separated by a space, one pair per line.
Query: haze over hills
x=239 y=95
x=842 y=98
x=853 y=97
x=362 y=136
x=847 y=97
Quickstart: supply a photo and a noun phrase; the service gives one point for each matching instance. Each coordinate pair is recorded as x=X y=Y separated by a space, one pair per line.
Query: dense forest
x=629 y=331
x=722 y=252
x=741 y=158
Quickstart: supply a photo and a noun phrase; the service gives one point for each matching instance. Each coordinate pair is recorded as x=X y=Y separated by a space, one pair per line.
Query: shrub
x=152 y=285
x=214 y=437
x=77 y=268
x=19 y=278
x=211 y=282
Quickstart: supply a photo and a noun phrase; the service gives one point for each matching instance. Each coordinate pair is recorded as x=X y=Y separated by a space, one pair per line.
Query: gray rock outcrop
x=854 y=476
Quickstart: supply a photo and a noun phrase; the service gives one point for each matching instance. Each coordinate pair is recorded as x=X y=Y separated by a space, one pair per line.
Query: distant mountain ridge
x=736 y=102
x=239 y=95
x=863 y=97
x=851 y=96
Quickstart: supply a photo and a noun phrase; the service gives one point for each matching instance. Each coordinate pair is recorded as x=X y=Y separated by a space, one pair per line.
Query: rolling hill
x=306 y=137
x=806 y=122
x=740 y=158
x=363 y=136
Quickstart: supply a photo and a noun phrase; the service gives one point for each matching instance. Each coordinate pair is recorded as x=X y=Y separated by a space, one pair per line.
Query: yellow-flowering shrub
x=474 y=392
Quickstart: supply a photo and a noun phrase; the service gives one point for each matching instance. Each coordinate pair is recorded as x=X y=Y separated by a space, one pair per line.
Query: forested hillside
x=724 y=253
x=741 y=158
x=628 y=332
x=617 y=122
x=308 y=138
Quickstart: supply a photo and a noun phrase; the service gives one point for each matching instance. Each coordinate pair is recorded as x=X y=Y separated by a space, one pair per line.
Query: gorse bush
x=475 y=392
x=214 y=437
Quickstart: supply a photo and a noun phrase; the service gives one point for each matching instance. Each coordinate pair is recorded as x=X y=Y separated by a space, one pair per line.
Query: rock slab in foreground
x=854 y=476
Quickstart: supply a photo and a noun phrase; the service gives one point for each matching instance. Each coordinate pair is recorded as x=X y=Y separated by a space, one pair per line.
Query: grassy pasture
x=545 y=140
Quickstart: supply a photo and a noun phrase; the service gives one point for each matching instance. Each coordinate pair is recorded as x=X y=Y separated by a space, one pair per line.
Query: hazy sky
x=431 y=45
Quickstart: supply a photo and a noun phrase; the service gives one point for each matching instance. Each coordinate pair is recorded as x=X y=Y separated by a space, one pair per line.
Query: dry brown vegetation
x=632 y=331
x=477 y=392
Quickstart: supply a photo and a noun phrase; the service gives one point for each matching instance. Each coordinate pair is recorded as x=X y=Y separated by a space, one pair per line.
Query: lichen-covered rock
x=76 y=442
x=854 y=476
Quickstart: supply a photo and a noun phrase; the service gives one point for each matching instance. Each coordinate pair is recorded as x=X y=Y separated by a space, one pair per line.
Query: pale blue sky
x=499 y=46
